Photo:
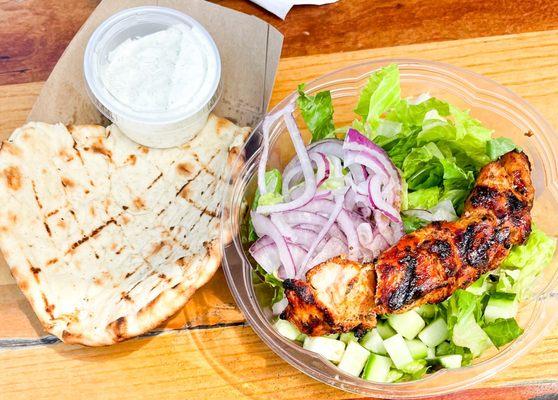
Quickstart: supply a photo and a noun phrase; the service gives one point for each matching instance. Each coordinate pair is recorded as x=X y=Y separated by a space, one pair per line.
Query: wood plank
x=223 y=363
x=30 y=48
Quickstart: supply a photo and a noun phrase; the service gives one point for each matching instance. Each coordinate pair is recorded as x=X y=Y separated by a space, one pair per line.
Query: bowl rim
x=401 y=390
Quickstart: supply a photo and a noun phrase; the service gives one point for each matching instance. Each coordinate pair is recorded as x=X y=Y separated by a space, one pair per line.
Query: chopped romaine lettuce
x=380 y=93
x=273 y=185
x=498 y=147
x=530 y=259
x=317 y=112
x=503 y=331
x=272 y=283
x=424 y=198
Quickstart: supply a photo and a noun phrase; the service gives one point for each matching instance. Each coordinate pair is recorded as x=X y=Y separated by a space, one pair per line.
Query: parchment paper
x=249 y=48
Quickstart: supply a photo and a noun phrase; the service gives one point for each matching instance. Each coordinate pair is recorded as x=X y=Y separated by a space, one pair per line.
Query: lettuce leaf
x=317 y=112
x=495 y=148
x=382 y=91
x=424 y=198
x=464 y=312
x=274 y=186
x=267 y=286
x=530 y=258
x=503 y=331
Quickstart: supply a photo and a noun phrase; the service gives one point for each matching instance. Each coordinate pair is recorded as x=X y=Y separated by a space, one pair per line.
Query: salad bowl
x=498 y=109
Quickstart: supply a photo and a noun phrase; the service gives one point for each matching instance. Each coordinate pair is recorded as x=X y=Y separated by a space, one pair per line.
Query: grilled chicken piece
x=425 y=266
x=428 y=265
x=338 y=296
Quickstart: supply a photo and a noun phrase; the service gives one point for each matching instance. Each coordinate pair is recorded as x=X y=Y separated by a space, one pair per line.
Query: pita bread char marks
x=106 y=238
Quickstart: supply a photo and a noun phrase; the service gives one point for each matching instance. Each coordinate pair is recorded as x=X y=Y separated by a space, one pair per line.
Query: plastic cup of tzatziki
x=154 y=72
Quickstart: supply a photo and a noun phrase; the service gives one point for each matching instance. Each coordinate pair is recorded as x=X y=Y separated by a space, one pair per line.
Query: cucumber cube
x=398 y=351
x=430 y=353
x=373 y=342
x=332 y=336
x=348 y=337
x=427 y=311
x=451 y=361
x=377 y=368
x=354 y=358
x=329 y=348
x=417 y=348
x=408 y=324
x=385 y=330
x=393 y=375
x=500 y=305
x=286 y=329
x=301 y=337
x=435 y=333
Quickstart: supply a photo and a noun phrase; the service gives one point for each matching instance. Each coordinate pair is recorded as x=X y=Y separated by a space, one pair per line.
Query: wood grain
x=30 y=48
x=222 y=363
x=232 y=362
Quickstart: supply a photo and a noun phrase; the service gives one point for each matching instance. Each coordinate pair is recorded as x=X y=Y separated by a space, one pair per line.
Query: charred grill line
x=426 y=266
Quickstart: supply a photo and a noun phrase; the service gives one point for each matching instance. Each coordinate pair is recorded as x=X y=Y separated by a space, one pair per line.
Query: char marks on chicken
x=425 y=266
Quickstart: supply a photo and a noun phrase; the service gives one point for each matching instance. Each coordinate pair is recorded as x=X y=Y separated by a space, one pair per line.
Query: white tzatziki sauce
x=166 y=70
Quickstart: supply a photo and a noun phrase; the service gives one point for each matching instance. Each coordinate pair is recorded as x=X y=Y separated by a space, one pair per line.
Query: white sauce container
x=153 y=128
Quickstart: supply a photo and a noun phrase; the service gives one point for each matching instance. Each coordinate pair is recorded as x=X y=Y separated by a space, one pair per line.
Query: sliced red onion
x=297 y=217
x=293 y=172
x=338 y=206
x=365 y=234
x=264 y=227
x=358 y=172
x=348 y=228
x=369 y=161
x=377 y=200
x=266 y=126
x=283 y=227
x=280 y=306
x=330 y=147
x=308 y=172
x=358 y=142
x=266 y=255
x=332 y=248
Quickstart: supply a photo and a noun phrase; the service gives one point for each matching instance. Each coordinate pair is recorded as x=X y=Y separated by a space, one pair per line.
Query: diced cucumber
x=354 y=358
x=329 y=348
x=408 y=324
x=301 y=337
x=500 y=305
x=398 y=351
x=332 y=336
x=393 y=375
x=451 y=361
x=373 y=342
x=430 y=353
x=385 y=330
x=348 y=337
x=414 y=367
x=435 y=333
x=286 y=329
x=427 y=311
x=377 y=368
x=417 y=348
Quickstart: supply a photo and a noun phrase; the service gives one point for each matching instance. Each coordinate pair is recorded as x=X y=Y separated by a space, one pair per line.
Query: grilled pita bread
x=107 y=238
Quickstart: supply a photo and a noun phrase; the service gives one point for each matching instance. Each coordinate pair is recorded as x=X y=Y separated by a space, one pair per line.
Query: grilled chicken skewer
x=425 y=266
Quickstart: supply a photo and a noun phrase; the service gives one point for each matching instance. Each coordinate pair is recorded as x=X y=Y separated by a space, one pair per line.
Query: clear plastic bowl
x=151 y=128
x=499 y=109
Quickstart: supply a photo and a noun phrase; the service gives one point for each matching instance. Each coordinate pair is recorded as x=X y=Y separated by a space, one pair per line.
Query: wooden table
x=206 y=350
